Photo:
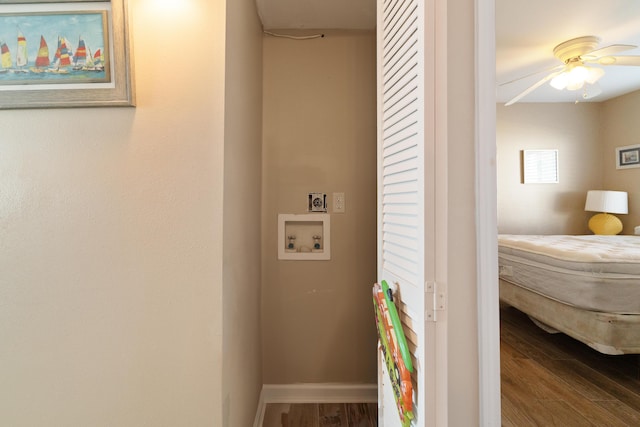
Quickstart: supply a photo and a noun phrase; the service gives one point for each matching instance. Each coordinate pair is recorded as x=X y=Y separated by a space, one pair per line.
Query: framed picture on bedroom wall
x=628 y=157
x=539 y=166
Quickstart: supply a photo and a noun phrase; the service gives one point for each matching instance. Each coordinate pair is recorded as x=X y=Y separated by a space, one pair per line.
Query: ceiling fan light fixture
x=573 y=74
x=594 y=75
x=576 y=77
x=560 y=81
x=575 y=85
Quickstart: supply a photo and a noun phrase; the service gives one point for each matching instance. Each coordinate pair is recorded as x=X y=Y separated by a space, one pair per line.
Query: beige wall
x=573 y=129
x=242 y=376
x=111 y=241
x=461 y=275
x=586 y=136
x=320 y=136
x=621 y=128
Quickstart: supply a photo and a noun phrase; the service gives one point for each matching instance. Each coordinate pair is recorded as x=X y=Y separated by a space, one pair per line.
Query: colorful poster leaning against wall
x=395 y=351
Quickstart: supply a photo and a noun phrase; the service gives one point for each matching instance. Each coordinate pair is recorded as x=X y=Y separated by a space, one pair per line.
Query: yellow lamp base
x=605 y=223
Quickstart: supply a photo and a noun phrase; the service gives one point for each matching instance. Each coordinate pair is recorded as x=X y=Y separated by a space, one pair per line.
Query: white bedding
x=597 y=273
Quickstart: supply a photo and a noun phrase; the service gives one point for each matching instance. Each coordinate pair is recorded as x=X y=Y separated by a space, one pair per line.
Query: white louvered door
x=411 y=226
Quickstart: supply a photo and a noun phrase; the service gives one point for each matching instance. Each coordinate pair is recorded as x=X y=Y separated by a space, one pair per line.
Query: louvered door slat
x=399 y=229
x=405 y=176
x=402 y=187
x=392 y=220
x=396 y=169
x=403 y=120
x=407 y=134
x=406 y=101
x=402 y=157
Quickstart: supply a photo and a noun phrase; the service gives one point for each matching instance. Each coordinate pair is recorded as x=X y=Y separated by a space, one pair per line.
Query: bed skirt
x=607 y=333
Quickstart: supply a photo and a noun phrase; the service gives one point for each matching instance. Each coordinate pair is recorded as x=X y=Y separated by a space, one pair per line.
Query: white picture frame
x=540 y=166
x=628 y=157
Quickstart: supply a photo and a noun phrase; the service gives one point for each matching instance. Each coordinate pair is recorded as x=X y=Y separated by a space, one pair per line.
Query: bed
x=587 y=287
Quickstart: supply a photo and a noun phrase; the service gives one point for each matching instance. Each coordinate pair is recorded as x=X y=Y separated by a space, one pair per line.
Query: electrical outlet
x=338 y=203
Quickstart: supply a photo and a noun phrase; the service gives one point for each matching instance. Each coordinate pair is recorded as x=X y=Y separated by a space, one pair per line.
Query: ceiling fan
x=574 y=72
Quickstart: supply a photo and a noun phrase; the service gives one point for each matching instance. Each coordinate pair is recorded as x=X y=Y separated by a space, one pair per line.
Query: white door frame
x=486 y=215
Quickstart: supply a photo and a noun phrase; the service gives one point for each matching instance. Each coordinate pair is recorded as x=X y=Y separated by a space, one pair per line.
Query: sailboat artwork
x=21 y=55
x=5 y=58
x=42 y=59
x=24 y=61
x=62 y=57
x=98 y=61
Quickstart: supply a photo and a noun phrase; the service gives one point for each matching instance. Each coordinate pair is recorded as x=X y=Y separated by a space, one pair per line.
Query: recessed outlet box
x=317 y=202
x=304 y=237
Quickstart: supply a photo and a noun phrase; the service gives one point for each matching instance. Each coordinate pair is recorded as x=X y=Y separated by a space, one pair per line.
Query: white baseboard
x=260 y=412
x=314 y=393
x=319 y=393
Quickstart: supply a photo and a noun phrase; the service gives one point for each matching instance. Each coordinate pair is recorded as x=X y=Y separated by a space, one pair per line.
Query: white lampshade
x=607 y=201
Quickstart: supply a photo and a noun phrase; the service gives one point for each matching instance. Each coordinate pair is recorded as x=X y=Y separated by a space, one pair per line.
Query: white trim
x=303 y=221
x=259 y=420
x=486 y=216
x=314 y=393
x=319 y=393
x=439 y=104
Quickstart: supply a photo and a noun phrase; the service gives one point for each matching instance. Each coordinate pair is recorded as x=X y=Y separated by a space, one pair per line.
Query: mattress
x=596 y=273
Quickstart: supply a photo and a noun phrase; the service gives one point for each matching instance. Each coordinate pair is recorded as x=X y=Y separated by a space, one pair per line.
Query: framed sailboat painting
x=68 y=53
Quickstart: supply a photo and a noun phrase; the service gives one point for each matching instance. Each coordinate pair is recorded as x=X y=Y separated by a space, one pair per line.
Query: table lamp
x=606 y=202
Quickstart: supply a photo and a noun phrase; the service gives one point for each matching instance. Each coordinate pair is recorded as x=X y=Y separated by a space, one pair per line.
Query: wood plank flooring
x=321 y=415
x=546 y=379
x=554 y=380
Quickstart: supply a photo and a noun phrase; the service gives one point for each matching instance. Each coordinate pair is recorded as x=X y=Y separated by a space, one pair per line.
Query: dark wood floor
x=321 y=415
x=553 y=380
x=546 y=380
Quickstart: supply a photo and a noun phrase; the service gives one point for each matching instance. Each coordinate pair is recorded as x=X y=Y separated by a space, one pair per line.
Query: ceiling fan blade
x=554 y=68
x=532 y=88
x=619 y=60
x=607 y=51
